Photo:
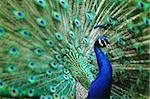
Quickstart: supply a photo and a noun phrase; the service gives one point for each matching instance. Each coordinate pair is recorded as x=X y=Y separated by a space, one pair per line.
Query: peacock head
x=101 y=42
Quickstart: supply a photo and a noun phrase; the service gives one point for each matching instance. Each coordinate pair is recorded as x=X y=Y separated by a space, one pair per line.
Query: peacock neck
x=103 y=62
x=101 y=86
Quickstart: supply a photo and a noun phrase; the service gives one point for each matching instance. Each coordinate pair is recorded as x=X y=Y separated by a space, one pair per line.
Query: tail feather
x=46 y=46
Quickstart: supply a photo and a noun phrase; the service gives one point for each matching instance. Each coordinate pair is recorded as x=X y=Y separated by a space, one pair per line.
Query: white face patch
x=100 y=42
x=105 y=43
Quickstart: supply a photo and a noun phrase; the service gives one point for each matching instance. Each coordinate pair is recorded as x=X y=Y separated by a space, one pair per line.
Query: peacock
x=74 y=49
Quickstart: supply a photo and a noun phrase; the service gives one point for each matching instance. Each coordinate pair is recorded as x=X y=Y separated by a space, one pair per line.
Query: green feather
x=46 y=47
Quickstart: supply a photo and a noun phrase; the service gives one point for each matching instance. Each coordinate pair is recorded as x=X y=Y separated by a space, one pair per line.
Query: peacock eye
x=56 y=95
x=100 y=42
x=42 y=22
x=42 y=97
x=1 y=30
x=14 y=49
x=1 y=84
x=19 y=13
x=30 y=91
x=40 y=1
x=14 y=91
x=142 y=4
x=62 y=2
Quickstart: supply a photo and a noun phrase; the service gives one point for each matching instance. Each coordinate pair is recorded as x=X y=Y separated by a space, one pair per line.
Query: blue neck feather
x=100 y=88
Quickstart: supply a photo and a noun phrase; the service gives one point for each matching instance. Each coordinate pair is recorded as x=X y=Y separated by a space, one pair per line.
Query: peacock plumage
x=101 y=86
x=52 y=49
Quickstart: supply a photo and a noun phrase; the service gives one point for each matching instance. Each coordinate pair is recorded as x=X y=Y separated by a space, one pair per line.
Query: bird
x=100 y=88
x=74 y=49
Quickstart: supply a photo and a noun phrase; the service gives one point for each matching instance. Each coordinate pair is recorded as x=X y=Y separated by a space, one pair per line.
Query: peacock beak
x=108 y=46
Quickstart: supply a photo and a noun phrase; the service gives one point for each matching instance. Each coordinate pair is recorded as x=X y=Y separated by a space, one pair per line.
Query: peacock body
x=47 y=49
